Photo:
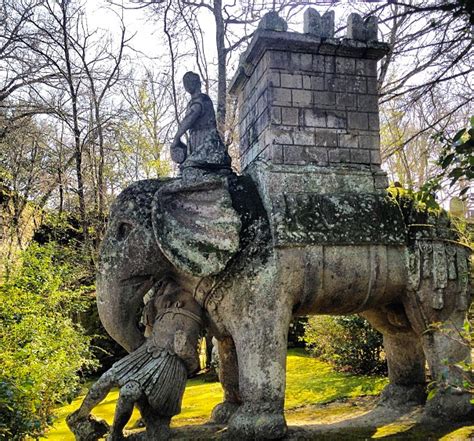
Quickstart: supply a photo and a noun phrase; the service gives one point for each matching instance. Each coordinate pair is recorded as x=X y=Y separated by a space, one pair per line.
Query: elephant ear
x=195 y=225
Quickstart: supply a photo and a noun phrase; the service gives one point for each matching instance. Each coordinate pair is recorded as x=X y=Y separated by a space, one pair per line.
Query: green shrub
x=65 y=231
x=41 y=348
x=348 y=342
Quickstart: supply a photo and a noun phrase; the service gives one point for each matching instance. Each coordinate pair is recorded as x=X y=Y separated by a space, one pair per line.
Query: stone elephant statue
x=215 y=239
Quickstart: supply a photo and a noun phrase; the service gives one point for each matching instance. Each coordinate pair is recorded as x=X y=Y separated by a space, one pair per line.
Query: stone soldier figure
x=154 y=375
x=205 y=152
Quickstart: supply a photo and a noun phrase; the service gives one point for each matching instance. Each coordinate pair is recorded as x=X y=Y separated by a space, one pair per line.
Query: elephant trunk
x=120 y=303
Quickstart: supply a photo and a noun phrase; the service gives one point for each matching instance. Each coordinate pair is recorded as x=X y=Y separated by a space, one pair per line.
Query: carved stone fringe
x=439 y=262
x=161 y=376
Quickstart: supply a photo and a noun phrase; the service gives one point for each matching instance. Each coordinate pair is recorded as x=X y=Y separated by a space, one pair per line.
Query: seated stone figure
x=154 y=375
x=205 y=152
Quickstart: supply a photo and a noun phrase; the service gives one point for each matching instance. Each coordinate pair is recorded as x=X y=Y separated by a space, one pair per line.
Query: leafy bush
x=65 y=231
x=41 y=348
x=348 y=342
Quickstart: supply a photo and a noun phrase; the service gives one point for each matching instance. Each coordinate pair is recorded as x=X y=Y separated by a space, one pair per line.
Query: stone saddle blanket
x=338 y=219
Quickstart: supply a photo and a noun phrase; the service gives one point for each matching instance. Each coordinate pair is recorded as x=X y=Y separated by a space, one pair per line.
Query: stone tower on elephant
x=308 y=228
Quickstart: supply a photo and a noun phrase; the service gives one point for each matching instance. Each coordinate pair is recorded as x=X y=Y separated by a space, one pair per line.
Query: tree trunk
x=221 y=67
x=76 y=130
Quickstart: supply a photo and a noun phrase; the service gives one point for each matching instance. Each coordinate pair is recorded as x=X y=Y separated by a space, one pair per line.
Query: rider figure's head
x=191 y=82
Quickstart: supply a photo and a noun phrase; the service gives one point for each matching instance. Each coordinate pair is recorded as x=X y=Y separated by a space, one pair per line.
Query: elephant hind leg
x=448 y=353
x=436 y=303
x=405 y=357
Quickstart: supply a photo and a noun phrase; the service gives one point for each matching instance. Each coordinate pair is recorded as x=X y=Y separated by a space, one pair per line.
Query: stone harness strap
x=179 y=311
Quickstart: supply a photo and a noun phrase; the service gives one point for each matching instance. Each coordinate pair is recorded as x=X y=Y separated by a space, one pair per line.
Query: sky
x=148 y=38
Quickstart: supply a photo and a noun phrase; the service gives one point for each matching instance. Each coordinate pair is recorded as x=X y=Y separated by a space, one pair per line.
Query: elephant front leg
x=229 y=379
x=261 y=353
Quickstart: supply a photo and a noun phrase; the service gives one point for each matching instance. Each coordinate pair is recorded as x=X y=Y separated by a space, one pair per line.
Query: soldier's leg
x=96 y=394
x=129 y=394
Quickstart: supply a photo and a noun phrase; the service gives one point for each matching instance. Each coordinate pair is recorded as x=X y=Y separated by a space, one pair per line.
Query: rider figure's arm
x=190 y=118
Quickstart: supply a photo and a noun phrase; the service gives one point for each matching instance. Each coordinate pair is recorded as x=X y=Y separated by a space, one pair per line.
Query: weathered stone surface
x=337 y=219
x=307 y=230
x=336 y=120
x=281 y=97
x=360 y=156
x=375 y=157
x=345 y=65
x=327 y=25
x=197 y=241
x=325 y=138
x=324 y=99
x=205 y=149
x=314 y=118
x=371 y=26
x=302 y=97
x=374 y=122
x=291 y=80
x=346 y=101
x=321 y=27
x=356 y=28
x=312 y=22
x=271 y=21
x=277 y=44
x=357 y=120
x=154 y=375
x=368 y=103
x=289 y=116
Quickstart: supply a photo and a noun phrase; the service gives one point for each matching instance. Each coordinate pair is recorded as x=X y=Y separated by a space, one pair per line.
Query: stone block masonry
x=310 y=99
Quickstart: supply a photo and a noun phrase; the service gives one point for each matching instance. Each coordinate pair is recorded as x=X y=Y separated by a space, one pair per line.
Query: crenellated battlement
x=308 y=105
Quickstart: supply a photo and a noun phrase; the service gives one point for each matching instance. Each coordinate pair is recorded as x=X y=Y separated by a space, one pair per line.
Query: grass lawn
x=310 y=384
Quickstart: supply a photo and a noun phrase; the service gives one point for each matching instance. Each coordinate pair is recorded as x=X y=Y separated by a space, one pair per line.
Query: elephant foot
x=158 y=429
x=161 y=433
x=258 y=422
x=222 y=413
x=452 y=403
x=398 y=396
x=117 y=436
x=87 y=429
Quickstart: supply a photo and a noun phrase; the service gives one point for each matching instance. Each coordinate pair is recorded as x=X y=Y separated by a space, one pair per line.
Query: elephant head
x=161 y=229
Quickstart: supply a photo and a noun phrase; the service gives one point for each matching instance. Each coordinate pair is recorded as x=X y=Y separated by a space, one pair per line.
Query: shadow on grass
x=376 y=424
x=386 y=424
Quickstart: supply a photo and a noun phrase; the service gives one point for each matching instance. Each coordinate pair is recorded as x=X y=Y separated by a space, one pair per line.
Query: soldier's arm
x=189 y=119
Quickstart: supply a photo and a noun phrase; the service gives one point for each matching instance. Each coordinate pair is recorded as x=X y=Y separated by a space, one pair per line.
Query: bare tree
x=146 y=127
x=83 y=68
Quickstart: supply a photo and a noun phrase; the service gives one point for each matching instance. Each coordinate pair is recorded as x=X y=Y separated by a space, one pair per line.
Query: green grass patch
x=309 y=381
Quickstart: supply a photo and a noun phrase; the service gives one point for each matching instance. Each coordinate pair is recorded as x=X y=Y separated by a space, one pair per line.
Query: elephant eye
x=124 y=230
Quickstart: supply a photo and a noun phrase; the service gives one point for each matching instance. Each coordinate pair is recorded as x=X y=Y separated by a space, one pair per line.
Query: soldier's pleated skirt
x=160 y=374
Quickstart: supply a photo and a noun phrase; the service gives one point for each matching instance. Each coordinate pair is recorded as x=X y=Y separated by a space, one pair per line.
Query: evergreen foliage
x=41 y=348
x=348 y=342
